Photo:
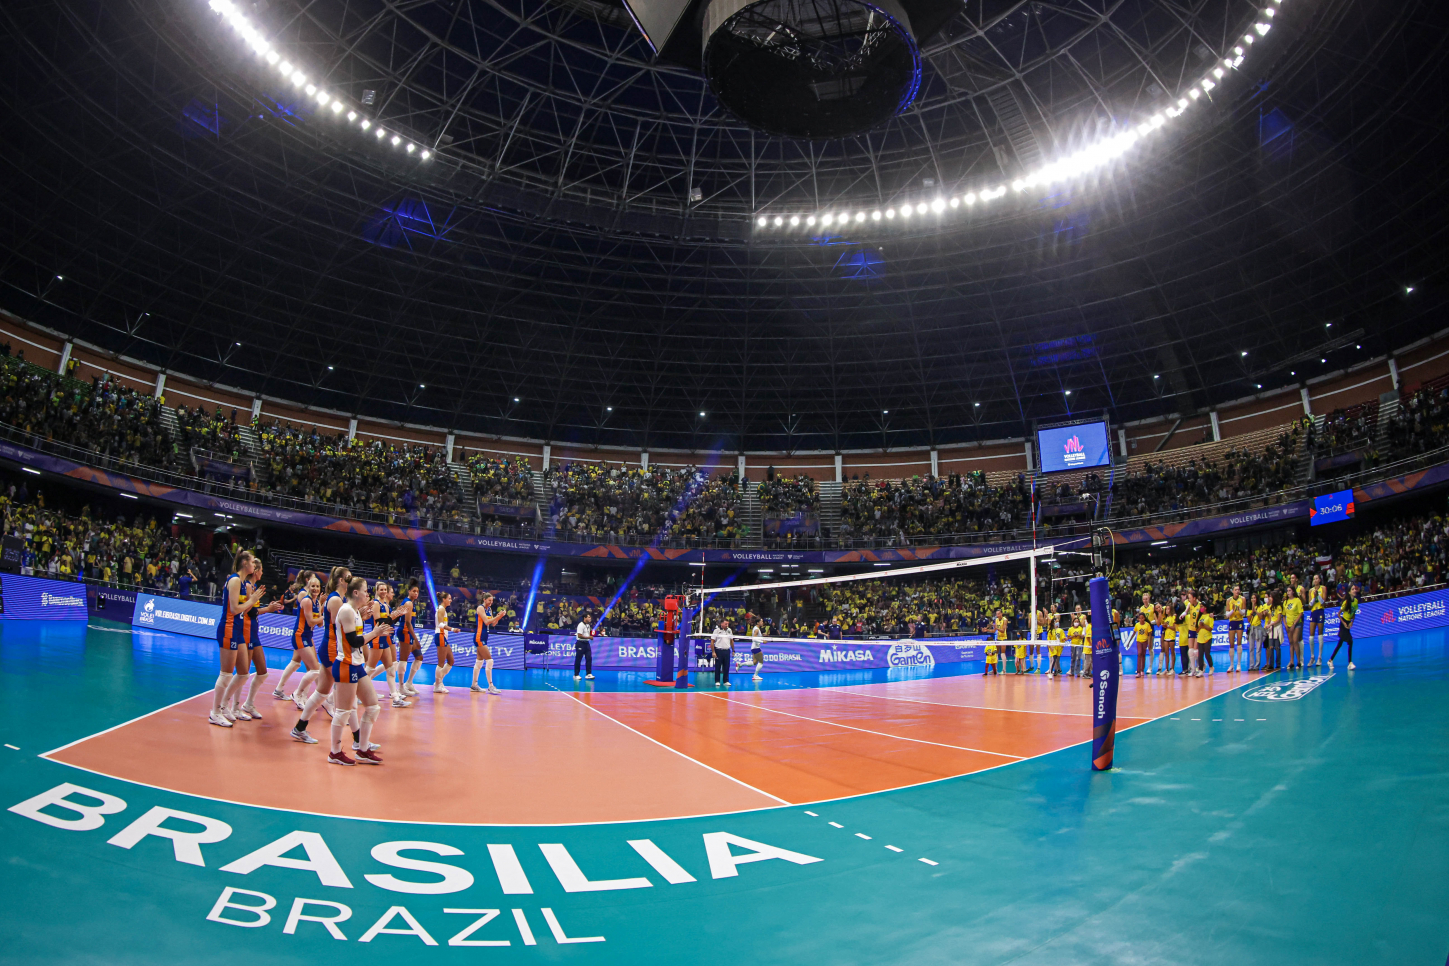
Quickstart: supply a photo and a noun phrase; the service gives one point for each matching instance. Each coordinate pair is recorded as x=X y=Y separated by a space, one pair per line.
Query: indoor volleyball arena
x=858 y=482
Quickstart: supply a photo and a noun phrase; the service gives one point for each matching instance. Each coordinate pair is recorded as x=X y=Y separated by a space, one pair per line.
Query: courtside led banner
x=37 y=598
x=1105 y=670
x=191 y=617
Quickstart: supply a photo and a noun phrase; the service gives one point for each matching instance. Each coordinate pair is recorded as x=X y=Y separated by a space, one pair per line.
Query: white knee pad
x=488 y=664
x=370 y=713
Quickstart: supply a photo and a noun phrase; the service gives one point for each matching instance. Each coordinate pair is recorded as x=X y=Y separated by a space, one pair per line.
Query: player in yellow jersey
x=1275 y=633
x=1186 y=626
x=1075 y=635
x=990 y=659
x=1149 y=611
x=1236 y=610
x=1058 y=637
x=1293 y=625
x=1169 y=637
x=1317 y=616
x=1204 y=641
x=1142 y=630
x=1258 y=612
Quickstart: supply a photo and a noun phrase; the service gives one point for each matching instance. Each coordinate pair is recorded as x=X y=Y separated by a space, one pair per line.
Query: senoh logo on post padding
x=1286 y=690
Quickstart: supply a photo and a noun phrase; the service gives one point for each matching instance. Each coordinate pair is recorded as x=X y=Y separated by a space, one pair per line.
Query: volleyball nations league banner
x=1105 y=672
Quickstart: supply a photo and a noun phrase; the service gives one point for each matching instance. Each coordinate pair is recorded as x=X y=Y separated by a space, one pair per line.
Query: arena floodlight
x=396 y=140
x=955 y=201
x=860 y=216
x=759 y=221
x=779 y=221
x=366 y=124
x=311 y=89
x=381 y=134
x=875 y=215
x=794 y=221
x=810 y=220
x=426 y=154
x=938 y=206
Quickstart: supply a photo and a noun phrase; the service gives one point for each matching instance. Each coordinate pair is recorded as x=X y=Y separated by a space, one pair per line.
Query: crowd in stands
x=213 y=433
x=501 y=480
x=631 y=504
x=1236 y=475
x=1344 y=430
x=404 y=483
x=1421 y=424
x=115 y=552
x=890 y=512
x=105 y=417
x=787 y=496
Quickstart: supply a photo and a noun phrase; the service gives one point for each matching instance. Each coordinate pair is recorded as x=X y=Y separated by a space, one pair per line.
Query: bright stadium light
x=253 y=38
x=1095 y=156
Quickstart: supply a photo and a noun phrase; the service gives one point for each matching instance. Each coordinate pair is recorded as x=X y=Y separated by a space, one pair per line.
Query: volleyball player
x=1074 y=637
x=1169 y=636
x=483 y=656
x=408 y=643
x=445 y=650
x=304 y=652
x=1258 y=613
x=1237 y=609
x=1204 y=640
x=1293 y=601
x=1317 y=617
x=339 y=578
x=1186 y=629
x=349 y=671
x=251 y=628
x=231 y=638
x=1274 y=645
x=1143 y=632
x=381 y=655
x=1058 y=637
x=1346 y=613
x=757 y=647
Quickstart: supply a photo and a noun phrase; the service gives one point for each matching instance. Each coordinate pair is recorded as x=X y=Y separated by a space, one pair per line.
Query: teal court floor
x=1311 y=830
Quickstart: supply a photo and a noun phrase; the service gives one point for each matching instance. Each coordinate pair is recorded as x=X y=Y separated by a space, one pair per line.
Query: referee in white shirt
x=724 y=642
x=584 y=646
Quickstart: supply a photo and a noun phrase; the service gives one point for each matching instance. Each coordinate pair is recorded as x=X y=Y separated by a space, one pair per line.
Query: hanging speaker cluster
x=812 y=69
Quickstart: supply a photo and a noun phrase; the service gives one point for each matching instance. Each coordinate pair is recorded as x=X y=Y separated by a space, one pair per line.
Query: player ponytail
x=335 y=578
x=304 y=577
x=242 y=558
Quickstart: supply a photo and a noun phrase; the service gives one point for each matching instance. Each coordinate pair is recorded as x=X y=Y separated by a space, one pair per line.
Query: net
x=701 y=598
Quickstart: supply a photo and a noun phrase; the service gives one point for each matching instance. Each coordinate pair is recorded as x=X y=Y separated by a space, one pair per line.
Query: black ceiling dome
x=550 y=253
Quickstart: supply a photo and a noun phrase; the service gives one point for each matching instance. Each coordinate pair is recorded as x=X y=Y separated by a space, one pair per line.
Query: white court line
x=675 y=750
x=139 y=717
x=945 y=704
x=837 y=724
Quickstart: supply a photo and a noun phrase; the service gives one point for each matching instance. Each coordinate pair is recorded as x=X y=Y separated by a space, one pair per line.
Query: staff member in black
x=584 y=646
x=723 y=640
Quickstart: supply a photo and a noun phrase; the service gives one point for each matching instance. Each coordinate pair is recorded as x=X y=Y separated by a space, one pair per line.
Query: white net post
x=1032 y=577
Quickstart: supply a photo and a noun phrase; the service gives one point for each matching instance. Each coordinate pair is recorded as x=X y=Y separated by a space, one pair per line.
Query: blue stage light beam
x=533 y=591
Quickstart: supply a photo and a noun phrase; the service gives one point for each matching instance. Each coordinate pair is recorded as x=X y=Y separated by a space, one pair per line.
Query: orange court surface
x=577 y=755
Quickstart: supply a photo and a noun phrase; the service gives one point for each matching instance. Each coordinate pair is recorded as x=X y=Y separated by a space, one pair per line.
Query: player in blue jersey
x=483 y=654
